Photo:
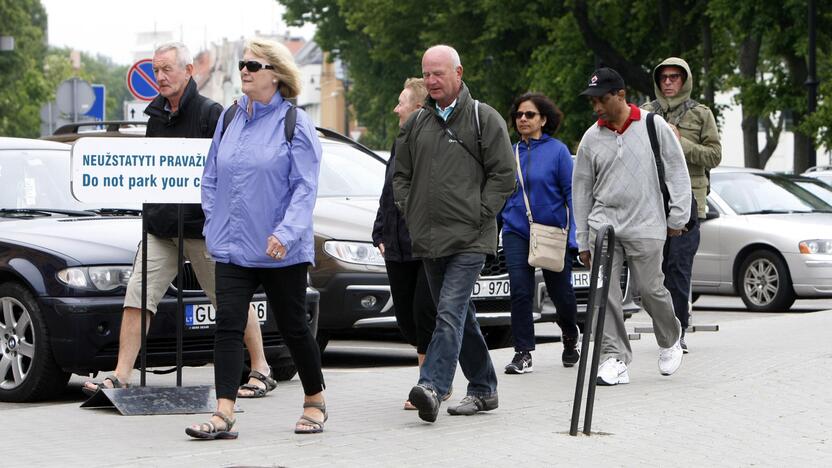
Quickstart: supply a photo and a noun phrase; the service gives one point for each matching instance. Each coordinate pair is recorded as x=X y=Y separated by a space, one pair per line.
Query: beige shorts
x=162 y=254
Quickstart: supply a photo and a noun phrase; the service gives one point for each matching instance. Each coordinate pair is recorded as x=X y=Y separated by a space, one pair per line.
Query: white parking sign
x=138 y=170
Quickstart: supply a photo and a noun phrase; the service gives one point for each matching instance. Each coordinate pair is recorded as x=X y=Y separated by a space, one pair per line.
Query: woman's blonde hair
x=285 y=69
x=418 y=91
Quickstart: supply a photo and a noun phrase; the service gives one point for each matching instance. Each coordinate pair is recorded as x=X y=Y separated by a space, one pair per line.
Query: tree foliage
x=509 y=46
x=23 y=87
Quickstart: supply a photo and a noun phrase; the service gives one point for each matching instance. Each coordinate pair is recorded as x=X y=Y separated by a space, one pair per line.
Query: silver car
x=767 y=238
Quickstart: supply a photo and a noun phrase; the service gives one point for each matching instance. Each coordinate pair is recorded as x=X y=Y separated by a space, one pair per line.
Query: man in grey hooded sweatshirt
x=695 y=128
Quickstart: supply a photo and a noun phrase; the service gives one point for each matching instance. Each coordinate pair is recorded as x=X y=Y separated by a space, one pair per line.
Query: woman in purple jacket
x=258 y=193
x=547 y=174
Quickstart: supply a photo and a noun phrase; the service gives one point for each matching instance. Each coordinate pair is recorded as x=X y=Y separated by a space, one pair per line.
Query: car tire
x=498 y=337
x=764 y=282
x=28 y=371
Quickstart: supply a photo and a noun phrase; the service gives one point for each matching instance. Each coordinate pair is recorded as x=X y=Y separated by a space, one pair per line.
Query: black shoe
x=520 y=364
x=570 y=355
x=474 y=404
x=426 y=401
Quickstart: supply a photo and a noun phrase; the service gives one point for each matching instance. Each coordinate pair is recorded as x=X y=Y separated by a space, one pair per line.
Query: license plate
x=580 y=279
x=492 y=288
x=204 y=316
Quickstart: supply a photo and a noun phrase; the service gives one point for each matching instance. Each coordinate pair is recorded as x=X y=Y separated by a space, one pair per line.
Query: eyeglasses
x=529 y=114
x=253 y=65
x=673 y=77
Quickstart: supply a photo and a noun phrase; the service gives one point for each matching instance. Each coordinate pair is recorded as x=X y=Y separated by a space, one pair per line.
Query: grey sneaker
x=474 y=404
x=426 y=401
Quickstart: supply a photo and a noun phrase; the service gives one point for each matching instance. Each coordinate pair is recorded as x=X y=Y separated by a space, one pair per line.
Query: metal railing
x=599 y=280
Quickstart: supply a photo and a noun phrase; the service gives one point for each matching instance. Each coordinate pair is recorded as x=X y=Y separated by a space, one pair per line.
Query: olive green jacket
x=450 y=198
x=697 y=127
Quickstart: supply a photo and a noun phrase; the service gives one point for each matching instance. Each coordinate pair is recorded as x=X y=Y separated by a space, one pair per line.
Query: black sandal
x=257 y=391
x=317 y=425
x=213 y=431
x=100 y=385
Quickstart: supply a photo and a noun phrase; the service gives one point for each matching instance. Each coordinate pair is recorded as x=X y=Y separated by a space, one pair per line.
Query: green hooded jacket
x=450 y=198
x=697 y=127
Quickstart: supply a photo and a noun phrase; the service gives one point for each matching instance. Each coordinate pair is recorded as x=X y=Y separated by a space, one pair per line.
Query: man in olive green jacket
x=454 y=171
x=695 y=127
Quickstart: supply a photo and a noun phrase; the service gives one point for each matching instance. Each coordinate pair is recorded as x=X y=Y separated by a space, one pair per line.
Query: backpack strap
x=657 y=155
x=228 y=117
x=290 y=123
x=479 y=130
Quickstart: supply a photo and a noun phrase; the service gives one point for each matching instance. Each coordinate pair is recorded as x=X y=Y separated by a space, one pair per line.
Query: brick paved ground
x=756 y=393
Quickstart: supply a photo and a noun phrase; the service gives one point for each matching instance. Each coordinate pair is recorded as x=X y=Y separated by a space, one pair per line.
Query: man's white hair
x=183 y=55
x=455 y=61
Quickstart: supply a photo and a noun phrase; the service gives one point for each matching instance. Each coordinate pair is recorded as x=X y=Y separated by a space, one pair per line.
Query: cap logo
x=593 y=80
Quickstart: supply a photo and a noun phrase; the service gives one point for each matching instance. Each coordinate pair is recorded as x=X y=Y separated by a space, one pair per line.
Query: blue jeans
x=457 y=335
x=523 y=286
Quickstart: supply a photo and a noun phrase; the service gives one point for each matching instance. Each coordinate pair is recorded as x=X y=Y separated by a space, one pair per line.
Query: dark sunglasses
x=253 y=65
x=529 y=114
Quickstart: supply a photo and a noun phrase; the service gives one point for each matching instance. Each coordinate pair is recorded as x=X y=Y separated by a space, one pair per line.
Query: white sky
x=109 y=27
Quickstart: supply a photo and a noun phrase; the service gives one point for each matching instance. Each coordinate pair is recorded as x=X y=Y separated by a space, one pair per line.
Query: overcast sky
x=109 y=27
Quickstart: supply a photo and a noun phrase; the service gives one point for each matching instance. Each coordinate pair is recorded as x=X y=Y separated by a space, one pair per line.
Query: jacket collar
x=462 y=101
x=156 y=108
x=535 y=142
x=258 y=108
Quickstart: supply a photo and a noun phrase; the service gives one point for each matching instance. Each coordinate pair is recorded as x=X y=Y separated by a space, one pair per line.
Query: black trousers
x=286 y=291
x=414 y=307
x=677 y=267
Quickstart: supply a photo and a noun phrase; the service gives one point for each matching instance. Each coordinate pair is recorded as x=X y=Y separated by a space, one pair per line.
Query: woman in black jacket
x=415 y=310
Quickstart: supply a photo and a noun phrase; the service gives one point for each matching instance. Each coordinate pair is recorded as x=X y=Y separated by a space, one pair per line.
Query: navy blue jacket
x=389 y=227
x=547 y=175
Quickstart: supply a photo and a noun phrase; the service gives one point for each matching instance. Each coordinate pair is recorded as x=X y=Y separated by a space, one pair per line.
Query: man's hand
x=675 y=131
x=675 y=232
x=274 y=248
x=586 y=258
x=381 y=248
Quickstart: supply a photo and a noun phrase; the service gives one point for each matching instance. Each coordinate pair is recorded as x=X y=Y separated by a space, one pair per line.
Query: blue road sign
x=99 y=106
x=141 y=81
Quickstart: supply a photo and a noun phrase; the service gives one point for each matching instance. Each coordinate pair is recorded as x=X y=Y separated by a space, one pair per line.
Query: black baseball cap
x=602 y=81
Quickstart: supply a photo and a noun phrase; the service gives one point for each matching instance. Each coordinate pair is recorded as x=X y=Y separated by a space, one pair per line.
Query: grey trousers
x=644 y=257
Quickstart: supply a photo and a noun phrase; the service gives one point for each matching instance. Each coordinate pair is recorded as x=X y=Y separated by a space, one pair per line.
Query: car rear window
x=348 y=172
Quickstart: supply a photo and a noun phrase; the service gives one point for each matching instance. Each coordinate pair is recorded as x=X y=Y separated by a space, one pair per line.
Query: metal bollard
x=601 y=269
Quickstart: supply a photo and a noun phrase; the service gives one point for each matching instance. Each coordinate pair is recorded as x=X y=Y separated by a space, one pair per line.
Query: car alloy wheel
x=17 y=343
x=765 y=284
x=28 y=371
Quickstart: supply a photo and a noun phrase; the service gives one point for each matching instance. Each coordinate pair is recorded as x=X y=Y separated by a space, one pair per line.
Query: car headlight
x=101 y=278
x=363 y=253
x=816 y=246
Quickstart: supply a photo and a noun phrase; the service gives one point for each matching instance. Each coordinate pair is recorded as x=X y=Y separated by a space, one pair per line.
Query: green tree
x=23 y=87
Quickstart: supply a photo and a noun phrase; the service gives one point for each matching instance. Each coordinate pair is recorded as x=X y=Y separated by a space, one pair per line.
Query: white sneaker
x=612 y=372
x=670 y=359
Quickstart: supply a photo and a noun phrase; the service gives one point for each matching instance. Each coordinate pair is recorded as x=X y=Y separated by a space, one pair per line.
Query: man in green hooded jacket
x=695 y=127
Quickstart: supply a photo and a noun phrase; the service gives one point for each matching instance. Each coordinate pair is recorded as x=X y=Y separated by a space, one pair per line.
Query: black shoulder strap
x=228 y=117
x=290 y=122
x=657 y=155
x=479 y=129
x=288 y=129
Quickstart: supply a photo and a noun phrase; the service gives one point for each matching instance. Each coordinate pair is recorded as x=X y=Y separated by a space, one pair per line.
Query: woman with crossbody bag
x=545 y=165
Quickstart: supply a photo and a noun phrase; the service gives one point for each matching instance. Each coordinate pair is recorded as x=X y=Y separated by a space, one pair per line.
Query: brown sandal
x=256 y=390
x=100 y=385
x=317 y=424
x=213 y=431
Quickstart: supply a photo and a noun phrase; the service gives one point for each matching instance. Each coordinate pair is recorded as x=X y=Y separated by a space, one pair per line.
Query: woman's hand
x=274 y=248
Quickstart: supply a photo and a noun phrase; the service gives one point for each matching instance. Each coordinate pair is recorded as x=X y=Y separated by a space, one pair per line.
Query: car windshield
x=760 y=193
x=349 y=172
x=38 y=179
